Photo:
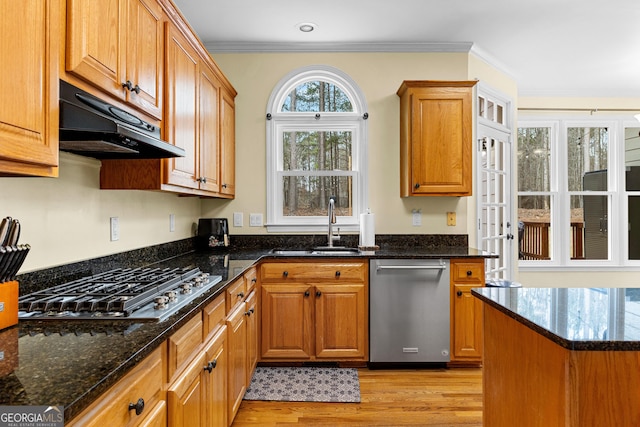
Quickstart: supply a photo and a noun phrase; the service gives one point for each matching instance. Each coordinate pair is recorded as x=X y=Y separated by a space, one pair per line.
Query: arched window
x=316 y=149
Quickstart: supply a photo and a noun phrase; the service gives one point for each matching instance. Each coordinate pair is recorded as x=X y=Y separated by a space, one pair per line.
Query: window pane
x=534 y=153
x=589 y=227
x=634 y=227
x=309 y=195
x=317 y=96
x=632 y=158
x=534 y=227
x=317 y=150
x=587 y=152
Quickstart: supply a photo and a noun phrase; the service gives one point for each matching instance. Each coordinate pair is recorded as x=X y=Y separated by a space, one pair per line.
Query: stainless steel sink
x=326 y=251
x=335 y=251
x=291 y=252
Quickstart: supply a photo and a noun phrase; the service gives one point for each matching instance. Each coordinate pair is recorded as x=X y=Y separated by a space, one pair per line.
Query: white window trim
x=560 y=196
x=355 y=121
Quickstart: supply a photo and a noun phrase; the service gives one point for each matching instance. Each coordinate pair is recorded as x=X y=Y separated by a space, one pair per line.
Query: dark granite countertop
x=583 y=319
x=72 y=363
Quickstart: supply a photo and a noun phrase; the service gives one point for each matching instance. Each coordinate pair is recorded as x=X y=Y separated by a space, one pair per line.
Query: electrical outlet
x=115 y=228
x=238 y=219
x=451 y=218
x=417 y=219
x=172 y=223
x=255 y=220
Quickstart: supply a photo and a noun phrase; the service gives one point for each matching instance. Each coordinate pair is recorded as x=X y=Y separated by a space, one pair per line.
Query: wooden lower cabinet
x=142 y=386
x=237 y=371
x=198 y=396
x=466 y=311
x=314 y=311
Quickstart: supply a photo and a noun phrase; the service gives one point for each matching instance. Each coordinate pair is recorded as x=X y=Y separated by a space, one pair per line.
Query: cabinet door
x=96 y=40
x=228 y=145
x=145 y=55
x=436 y=138
x=341 y=321
x=252 y=335
x=237 y=372
x=181 y=121
x=467 y=324
x=29 y=87
x=286 y=322
x=209 y=89
x=216 y=379
x=441 y=141
x=187 y=396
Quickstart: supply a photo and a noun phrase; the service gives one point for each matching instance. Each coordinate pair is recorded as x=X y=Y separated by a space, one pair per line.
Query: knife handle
x=14 y=234
x=5 y=227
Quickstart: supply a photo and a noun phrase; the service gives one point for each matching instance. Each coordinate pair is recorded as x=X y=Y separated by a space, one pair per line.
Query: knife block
x=8 y=304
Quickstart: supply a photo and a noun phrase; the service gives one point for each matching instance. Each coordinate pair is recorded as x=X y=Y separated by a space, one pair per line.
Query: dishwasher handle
x=441 y=266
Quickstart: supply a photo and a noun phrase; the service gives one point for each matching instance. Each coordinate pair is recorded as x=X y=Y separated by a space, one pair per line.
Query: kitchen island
x=561 y=356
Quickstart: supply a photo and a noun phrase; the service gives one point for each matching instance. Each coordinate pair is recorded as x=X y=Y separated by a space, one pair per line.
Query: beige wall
x=379 y=76
x=66 y=219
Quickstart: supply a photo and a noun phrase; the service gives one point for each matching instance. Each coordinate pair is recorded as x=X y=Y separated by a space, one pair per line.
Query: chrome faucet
x=332 y=220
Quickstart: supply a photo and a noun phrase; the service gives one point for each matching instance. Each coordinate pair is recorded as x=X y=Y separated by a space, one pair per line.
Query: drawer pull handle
x=250 y=312
x=254 y=280
x=211 y=365
x=459 y=293
x=240 y=295
x=318 y=293
x=285 y=273
x=469 y=272
x=139 y=406
x=338 y=273
x=306 y=293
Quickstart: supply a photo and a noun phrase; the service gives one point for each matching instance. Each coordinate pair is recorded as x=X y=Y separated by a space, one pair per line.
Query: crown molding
x=266 y=47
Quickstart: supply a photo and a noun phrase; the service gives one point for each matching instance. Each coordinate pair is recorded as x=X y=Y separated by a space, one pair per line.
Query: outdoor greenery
x=316 y=150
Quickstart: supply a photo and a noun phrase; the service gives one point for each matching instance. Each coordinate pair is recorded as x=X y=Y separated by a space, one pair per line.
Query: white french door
x=497 y=231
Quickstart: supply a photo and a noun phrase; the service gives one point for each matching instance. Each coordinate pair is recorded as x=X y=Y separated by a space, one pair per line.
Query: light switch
x=238 y=219
x=255 y=220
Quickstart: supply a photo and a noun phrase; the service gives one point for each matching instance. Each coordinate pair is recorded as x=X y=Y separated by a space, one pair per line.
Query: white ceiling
x=550 y=47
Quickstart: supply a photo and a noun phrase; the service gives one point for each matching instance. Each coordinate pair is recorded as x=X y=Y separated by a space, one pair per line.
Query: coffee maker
x=213 y=233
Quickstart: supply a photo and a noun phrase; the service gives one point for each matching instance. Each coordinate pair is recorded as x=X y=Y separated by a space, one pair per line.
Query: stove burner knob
x=185 y=288
x=161 y=302
x=171 y=295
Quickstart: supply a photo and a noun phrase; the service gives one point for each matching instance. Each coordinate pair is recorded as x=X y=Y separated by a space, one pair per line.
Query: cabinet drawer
x=213 y=316
x=467 y=272
x=145 y=381
x=251 y=279
x=183 y=345
x=310 y=271
x=236 y=293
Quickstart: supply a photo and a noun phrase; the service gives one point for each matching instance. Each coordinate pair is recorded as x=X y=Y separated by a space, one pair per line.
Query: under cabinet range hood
x=94 y=128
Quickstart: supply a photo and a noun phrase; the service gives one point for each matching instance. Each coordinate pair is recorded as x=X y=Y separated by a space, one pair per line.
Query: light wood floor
x=422 y=397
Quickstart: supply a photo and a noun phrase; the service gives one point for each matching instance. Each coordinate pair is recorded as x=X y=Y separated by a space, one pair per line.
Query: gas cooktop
x=141 y=294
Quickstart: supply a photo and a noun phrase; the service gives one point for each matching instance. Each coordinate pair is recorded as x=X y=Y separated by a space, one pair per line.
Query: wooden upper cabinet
x=181 y=120
x=436 y=131
x=117 y=46
x=29 y=87
x=209 y=125
x=228 y=145
x=145 y=56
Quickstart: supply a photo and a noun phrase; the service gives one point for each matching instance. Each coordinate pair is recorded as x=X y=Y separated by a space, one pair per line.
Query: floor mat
x=304 y=384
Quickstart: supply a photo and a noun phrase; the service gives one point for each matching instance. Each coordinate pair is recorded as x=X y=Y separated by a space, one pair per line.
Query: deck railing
x=534 y=240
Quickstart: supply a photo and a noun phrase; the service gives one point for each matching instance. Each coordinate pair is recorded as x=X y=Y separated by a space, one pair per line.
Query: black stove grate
x=121 y=290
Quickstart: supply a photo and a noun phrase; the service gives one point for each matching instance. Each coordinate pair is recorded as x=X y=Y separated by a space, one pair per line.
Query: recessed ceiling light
x=306 y=27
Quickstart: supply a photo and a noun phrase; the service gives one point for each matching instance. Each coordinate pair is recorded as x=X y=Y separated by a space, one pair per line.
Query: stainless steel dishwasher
x=409 y=310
